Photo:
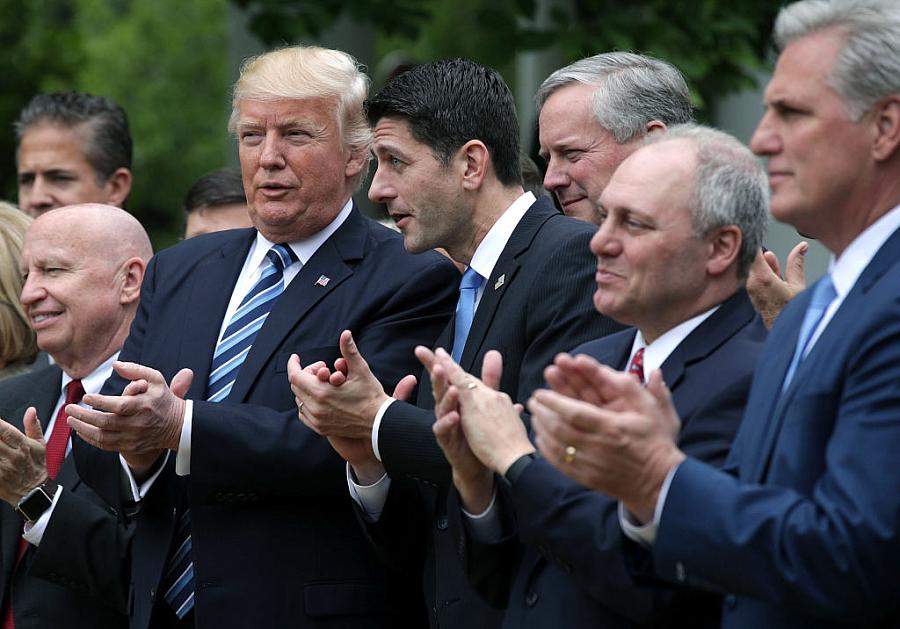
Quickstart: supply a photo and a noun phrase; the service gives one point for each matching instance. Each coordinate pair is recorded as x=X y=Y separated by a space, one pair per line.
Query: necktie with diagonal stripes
x=232 y=349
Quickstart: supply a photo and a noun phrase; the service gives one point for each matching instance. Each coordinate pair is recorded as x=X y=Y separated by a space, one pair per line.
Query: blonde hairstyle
x=309 y=72
x=17 y=340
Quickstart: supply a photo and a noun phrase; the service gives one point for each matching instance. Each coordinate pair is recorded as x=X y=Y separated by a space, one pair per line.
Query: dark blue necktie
x=232 y=349
x=823 y=295
x=465 y=310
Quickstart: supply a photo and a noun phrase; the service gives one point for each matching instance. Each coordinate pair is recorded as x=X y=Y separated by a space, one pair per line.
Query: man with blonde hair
x=245 y=520
x=83 y=266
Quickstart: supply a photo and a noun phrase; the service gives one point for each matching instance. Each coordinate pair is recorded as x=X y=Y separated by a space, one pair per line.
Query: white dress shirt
x=372 y=497
x=92 y=383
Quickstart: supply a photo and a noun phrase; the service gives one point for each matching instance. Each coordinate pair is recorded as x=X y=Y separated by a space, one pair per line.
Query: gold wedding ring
x=300 y=406
x=569 y=454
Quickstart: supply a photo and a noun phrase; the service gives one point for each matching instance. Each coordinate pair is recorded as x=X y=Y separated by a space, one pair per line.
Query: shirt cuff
x=370 y=498
x=34 y=532
x=486 y=526
x=645 y=534
x=183 y=457
x=377 y=424
x=139 y=491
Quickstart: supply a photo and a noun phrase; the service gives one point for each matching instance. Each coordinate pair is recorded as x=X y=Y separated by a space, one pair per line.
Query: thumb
x=492 y=369
x=356 y=364
x=794 y=270
x=404 y=388
x=32 y=425
x=181 y=382
x=772 y=261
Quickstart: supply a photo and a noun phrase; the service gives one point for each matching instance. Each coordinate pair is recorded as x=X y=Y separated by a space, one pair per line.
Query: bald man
x=83 y=265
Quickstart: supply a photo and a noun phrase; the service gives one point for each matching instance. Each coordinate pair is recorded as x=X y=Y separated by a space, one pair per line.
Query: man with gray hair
x=594 y=112
x=72 y=148
x=802 y=526
x=245 y=520
x=681 y=219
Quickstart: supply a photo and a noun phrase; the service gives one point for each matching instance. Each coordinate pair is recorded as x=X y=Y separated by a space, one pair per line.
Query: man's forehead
x=284 y=110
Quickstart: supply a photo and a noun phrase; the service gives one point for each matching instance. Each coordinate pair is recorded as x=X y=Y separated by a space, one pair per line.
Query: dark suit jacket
x=574 y=565
x=536 y=303
x=76 y=577
x=807 y=534
x=275 y=541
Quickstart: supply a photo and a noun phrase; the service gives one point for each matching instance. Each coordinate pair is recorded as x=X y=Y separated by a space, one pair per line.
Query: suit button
x=730 y=602
x=152 y=593
x=442 y=523
x=531 y=599
x=680 y=572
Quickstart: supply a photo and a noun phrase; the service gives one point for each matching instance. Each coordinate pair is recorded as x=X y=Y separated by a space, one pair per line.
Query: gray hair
x=731 y=187
x=867 y=67
x=632 y=90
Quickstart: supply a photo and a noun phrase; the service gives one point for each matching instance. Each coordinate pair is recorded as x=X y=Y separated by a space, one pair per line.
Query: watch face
x=34 y=503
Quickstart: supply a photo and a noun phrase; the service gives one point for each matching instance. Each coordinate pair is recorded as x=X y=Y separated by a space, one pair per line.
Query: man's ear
x=887 y=130
x=132 y=275
x=475 y=161
x=356 y=161
x=724 y=247
x=655 y=126
x=118 y=186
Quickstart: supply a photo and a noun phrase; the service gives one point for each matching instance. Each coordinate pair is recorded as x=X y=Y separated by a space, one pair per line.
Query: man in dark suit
x=446 y=141
x=83 y=266
x=681 y=221
x=802 y=526
x=247 y=522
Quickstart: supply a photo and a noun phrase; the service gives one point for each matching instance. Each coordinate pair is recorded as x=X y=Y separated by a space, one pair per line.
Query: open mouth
x=42 y=319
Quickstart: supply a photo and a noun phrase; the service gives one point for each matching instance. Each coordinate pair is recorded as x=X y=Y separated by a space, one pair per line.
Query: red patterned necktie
x=59 y=438
x=637 y=365
x=55 y=454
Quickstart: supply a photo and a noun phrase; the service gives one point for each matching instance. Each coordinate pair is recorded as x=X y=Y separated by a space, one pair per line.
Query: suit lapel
x=331 y=260
x=201 y=327
x=883 y=261
x=503 y=276
x=734 y=313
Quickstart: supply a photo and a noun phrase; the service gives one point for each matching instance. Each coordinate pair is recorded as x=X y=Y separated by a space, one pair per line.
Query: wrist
x=504 y=460
x=367 y=472
x=643 y=505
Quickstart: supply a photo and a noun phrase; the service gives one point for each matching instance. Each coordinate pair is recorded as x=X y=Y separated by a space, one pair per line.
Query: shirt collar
x=491 y=246
x=656 y=353
x=93 y=382
x=304 y=249
x=846 y=269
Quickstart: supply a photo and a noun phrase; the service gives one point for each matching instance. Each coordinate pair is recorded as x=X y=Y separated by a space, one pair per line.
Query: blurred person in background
x=72 y=148
x=18 y=348
x=216 y=202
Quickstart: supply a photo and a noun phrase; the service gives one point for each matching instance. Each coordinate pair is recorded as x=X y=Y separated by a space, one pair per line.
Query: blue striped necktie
x=232 y=349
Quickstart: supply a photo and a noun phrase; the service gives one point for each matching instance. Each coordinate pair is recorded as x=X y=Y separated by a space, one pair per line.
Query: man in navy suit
x=681 y=218
x=802 y=528
x=446 y=141
x=83 y=266
x=244 y=519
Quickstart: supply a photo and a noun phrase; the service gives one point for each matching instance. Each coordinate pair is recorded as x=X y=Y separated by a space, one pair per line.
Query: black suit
x=76 y=577
x=536 y=303
x=574 y=566
x=275 y=542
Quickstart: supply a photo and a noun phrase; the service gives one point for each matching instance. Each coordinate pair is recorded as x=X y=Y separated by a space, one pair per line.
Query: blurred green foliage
x=716 y=44
x=163 y=61
x=167 y=62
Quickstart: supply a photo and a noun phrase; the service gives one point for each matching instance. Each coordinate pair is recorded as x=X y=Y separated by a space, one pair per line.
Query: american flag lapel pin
x=322 y=281
x=500 y=281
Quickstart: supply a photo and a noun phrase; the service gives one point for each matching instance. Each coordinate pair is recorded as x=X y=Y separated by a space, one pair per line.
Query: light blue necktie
x=232 y=349
x=823 y=295
x=465 y=310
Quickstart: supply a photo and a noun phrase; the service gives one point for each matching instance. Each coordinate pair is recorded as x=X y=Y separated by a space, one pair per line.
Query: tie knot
x=281 y=256
x=470 y=279
x=823 y=294
x=636 y=367
x=74 y=392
